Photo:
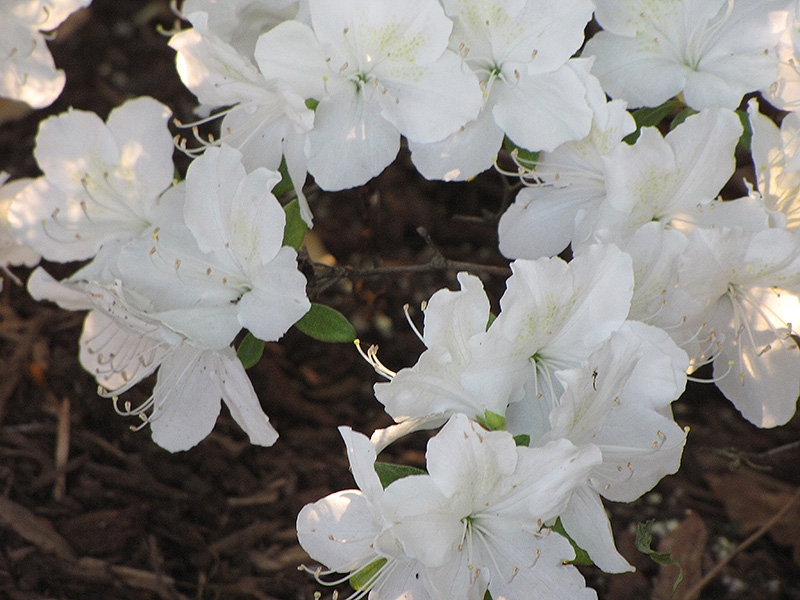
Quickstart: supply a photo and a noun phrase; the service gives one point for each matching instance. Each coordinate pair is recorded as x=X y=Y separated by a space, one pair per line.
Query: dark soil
x=92 y=510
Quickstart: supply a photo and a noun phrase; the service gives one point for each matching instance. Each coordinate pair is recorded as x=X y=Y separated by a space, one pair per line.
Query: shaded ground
x=122 y=519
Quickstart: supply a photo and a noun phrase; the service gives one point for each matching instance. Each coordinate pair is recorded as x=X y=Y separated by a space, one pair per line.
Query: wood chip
x=33 y=529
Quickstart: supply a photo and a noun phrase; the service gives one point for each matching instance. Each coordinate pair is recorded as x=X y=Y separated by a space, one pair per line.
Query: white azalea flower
x=266 y=121
x=750 y=281
x=379 y=69
x=476 y=521
x=620 y=402
x=569 y=181
x=224 y=268
x=446 y=378
x=713 y=52
x=120 y=346
x=27 y=70
x=671 y=179
x=345 y=531
x=554 y=314
x=102 y=182
x=519 y=51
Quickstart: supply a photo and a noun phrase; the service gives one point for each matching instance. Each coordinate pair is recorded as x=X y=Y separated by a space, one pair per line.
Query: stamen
x=371 y=356
x=411 y=323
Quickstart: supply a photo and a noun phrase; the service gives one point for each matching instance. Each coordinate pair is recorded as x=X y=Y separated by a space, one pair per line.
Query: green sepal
x=250 y=350
x=523 y=439
x=525 y=157
x=363 y=576
x=326 y=324
x=581 y=556
x=389 y=472
x=492 y=421
x=650 y=117
x=312 y=103
x=643 y=540
x=295 y=230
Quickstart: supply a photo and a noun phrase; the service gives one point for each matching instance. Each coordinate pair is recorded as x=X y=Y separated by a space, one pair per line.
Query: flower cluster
x=176 y=270
x=561 y=399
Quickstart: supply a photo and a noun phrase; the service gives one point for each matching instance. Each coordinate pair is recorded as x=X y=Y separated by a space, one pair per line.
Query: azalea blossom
x=102 y=182
x=519 y=52
x=346 y=532
x=554 y=314
x=225 y=267
x=669 y=179
x=379 y=69
x=620 y=402
x=27 y=70
x=475 y=521
x=564 y=184
x=120 y=346
x=711 y=52
x=447 y=378
x=750 y=281
x=266 y=121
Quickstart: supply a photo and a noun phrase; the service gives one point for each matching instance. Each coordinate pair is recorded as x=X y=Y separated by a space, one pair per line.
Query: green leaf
x=285 y=185
x=644 y=538
x=525 y=157
x=389 y=473
x=295 y=230
x=250 y=350
x=523 y=439
x=312 y=103
x=650 y=117
x=747 y=135
x=326 y=324
x=491 y=421
x=581 y=557
x=363 y=576
x=492 y=318
x=487 y=596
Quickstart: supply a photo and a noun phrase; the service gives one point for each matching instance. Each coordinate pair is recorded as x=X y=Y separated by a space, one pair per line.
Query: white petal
x=541 y=220
x=441 y=98
x=240 y=397
x=187 y=400
x=462 y=155
x=586 y=522
x=277 y=299
x=291 y=52
x=339 y=530
x=540 y=112
x=351 y=141
x=362 y=454
x=72 y=144
x=463 y=457
x=145 y=143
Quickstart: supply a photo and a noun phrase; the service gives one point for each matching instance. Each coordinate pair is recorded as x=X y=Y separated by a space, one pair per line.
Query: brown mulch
x=92 y=510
